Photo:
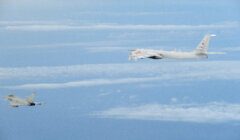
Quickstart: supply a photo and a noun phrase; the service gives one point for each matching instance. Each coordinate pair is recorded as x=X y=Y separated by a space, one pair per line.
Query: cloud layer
x=83 y=83
x=108 y=74
x=74 y=26
x=199 y=113
x=171 y=69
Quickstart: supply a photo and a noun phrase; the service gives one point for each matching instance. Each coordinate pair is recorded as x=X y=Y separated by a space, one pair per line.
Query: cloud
x=174 y=100
x=28 y=22
x=115 y=43
x=231 y=49
x=139 y=13
x=75 y=26
x=165 y=72
x=105 y=49
x=201 y=70
x=83 y=83
x=199 y=113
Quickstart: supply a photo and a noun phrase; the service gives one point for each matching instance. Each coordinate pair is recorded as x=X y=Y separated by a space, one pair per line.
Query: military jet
x=16 y=101
x=200 y=52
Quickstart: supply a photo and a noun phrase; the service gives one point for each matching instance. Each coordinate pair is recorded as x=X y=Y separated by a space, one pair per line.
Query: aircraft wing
x=143 y=53
x=13 y=104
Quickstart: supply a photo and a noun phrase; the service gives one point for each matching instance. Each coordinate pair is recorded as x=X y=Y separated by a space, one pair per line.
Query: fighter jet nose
x=130 y=58
x=38 y=103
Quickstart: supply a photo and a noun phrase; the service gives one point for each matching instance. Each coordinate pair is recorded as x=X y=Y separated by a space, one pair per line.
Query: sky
x=74 y=55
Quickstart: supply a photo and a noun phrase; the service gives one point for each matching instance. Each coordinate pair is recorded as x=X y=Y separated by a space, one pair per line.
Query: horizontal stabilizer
x=216 y=53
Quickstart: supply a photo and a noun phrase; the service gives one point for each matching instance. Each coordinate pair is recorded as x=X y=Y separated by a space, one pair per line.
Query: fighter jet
x=16 y=101
x=200 y=52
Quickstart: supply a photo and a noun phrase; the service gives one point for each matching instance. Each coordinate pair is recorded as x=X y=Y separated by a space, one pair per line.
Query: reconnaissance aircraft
x=16 y=101
x=200 y=52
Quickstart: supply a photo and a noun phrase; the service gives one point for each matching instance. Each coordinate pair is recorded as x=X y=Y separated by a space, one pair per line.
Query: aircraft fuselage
x=200 y=52
x=182 y=55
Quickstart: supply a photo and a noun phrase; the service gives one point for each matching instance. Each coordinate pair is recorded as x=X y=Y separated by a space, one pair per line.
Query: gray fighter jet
x=16 y=101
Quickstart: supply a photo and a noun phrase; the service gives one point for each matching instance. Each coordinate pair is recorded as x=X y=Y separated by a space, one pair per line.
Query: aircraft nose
x=130 y=57
x=8 y=98
x=39 y=103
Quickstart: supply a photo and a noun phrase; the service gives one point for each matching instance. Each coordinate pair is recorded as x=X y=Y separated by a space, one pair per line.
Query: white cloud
x=104 y=94
x=85 y=45
x=200 y=70
x=199 y=113
x=105 y=74
x=75 y=26
x=113 y=44
x=83 y=83
x=231 y=49
x=28 y=22
x=105 y=49
x=174 y=100
x=139 y=13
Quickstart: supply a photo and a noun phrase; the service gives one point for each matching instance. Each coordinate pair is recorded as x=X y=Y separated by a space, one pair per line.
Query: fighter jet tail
x=31 y=97
x=202 y=47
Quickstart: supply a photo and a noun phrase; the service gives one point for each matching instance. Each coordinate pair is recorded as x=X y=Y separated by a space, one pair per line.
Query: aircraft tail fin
x=202 y=47
x=31 y=97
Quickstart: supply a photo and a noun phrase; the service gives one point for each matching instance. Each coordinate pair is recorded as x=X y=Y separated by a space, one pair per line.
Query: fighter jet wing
x=14 y=104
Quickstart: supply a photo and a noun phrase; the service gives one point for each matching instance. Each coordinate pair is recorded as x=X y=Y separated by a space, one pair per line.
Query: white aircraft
x=200 y=52
x=16 y=101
